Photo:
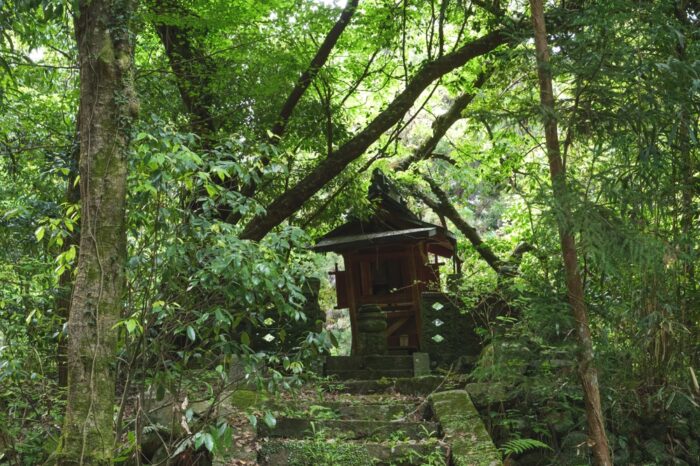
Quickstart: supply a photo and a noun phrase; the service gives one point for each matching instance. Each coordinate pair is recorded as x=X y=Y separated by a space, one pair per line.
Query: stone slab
x=365 y=374
x=464 y=431
x=377 y=362
x=447 y=333
x=298 y=428
x=421 y=364
x=407 y=386
x=384 y=411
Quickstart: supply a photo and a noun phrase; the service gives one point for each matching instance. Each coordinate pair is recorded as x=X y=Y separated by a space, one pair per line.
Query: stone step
x=374 y=362
x=321 y=451
x=362 y=374
x=299 y=428
x=404 y=385
x=367 y=410
x=375 y=411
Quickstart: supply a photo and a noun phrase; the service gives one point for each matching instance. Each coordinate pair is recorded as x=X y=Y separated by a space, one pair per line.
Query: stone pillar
x=371 y=330
x=448 y=334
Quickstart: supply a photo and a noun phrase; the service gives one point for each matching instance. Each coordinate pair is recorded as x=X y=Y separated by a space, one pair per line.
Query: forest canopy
x=166 y=166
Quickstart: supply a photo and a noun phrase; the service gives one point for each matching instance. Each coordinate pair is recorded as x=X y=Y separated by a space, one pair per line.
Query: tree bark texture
x=445 y=208
x=586 y=367
x=289 y=202
x=107 y=107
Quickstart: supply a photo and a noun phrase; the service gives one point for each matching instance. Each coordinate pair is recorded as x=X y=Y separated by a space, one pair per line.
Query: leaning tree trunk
x=574 y=285
x=107 y=107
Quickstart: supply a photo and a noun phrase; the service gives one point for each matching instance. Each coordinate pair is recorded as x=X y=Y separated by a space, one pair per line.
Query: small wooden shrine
x=390 y=259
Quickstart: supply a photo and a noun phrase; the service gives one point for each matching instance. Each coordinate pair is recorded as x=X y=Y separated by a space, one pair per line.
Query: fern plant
x=521 y=445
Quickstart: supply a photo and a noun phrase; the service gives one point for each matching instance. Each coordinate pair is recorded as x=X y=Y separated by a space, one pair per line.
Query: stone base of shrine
x=377 y=366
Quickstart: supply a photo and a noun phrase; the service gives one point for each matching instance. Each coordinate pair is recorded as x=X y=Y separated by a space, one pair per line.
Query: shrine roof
x=391 y=222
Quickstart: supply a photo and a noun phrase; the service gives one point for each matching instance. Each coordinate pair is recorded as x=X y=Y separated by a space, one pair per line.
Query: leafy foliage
x=205 y=308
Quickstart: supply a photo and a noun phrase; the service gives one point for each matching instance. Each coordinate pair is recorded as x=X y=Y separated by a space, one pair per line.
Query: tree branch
x=444 y=207
x=442 y=124
x=293 y=199
x=191 y=66
x=300 y=88
x=310 y=73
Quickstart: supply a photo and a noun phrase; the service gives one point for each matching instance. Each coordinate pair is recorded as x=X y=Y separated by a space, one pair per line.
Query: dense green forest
x=166 y=166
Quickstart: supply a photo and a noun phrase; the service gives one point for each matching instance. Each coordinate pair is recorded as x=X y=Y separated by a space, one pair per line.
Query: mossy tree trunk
x=107 y=107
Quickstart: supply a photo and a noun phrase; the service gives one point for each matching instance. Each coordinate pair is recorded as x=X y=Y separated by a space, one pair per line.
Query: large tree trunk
x=574 y=285
x=107 y=106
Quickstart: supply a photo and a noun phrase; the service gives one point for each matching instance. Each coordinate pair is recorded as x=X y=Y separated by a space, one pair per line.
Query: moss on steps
x=464 y=431
x=322 y=452
x=348 y=429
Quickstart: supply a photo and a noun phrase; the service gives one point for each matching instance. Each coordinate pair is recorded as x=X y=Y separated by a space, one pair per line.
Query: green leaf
x=198 y=440
x=521 y=445
x=70 y=254
x=211 y=190
x=245 y=338
x=208 y=441
x=190 y=333
x=40 y=232
x=270 y=420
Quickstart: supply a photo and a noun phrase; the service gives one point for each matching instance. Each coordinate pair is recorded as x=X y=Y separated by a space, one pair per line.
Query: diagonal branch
x=310 y=73
x=444 y=207
x=300 y=88
x=442 y=124
x=426 y=150
x=289 y=202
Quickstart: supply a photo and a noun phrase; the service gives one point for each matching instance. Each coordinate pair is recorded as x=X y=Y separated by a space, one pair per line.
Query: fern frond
x=521 y=445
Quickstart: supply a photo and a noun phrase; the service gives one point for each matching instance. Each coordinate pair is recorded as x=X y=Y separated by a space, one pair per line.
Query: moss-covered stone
x=244 y=399
x=406 y=386
x=348 y=429
x=323 y=451
x=466 y=434
x=485 y=394
x=447 y=334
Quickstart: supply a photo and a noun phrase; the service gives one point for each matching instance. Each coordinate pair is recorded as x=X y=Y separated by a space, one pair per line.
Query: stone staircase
x=353 y=430
x=380 y=411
